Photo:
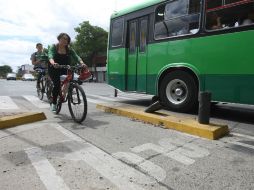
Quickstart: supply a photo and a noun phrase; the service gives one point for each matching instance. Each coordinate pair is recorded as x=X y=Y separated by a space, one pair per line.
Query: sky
x=23 y=23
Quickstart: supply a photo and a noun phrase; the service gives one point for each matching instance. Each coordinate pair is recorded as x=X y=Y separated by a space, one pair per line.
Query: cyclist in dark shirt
x=60 y=53
x=39 y=60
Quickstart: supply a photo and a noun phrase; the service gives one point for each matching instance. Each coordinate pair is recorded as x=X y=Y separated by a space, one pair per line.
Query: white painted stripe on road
x=126 y=98
x=22 y=128
x=136 y=95
x=95 y=101
x=147 y=166
x=37 y=102
x=176 y=155
x=243 y=144
x=67 y=133
x=242 y=135
x=45 y=170
x=7 y=103
x=111 y=168
x=103 y=97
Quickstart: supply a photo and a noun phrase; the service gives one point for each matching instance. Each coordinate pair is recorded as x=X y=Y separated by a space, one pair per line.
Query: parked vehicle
x=92 y=79
x=11 y=76
x=28 y=77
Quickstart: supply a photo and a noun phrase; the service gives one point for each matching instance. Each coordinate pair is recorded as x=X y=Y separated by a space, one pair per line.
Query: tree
x=90 y=41
x=4 y=70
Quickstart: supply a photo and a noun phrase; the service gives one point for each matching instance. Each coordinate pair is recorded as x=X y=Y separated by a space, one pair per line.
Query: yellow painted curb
x=20 y=119
x=186 y=125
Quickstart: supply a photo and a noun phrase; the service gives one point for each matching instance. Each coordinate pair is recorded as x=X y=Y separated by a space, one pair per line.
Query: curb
x=20 y=119
x=186 y=125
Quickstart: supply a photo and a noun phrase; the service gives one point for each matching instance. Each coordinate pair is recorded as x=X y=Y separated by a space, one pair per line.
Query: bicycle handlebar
x=69 y=67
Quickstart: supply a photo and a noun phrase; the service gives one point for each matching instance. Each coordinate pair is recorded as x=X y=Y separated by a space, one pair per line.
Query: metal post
x=204 y=107
x=115 y=93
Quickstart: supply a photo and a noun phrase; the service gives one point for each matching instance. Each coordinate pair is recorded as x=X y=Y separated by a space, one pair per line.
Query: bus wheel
x=179 y=92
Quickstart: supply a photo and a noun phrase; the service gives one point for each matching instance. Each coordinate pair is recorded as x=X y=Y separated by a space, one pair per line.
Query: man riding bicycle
x=39 y=60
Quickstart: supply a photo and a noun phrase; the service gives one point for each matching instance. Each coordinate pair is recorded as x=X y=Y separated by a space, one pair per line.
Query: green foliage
x=90 y=41
x=4 y=70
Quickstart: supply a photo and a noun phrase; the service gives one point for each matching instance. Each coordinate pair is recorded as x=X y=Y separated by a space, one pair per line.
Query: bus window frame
x=240 y=27
x=111 y=33
x=178 y=36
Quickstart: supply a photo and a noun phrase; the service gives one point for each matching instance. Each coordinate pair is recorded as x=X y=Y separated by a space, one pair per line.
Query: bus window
x=180 y=17
x=117 y=33
x=231 y=14
x=132 y=37
x=176 y=9
x=143 y=35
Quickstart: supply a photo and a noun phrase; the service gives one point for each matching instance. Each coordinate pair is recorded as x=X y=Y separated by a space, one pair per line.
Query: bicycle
x=71 y=91
x=45 y=85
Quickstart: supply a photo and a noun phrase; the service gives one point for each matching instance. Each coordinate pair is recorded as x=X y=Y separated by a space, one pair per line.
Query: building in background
x=99 y=68
x=27 y=68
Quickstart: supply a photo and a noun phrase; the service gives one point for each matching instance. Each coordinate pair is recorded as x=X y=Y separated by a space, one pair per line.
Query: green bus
x=174 y=49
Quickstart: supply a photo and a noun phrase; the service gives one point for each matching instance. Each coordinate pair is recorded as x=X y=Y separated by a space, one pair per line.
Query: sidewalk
x=12 y=119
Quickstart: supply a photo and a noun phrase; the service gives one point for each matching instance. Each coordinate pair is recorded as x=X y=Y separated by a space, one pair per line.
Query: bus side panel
x=157 y=58
x=116 y=68
x=178 y=53
x=230 y=66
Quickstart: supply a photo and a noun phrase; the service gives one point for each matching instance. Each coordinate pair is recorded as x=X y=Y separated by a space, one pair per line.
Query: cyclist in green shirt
x=60 y=54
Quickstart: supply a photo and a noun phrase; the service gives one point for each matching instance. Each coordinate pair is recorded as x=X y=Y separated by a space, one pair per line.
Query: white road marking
x=181 y=151
x=45 y=170
x=15 y=130
x=37 y=102
x=67 y=133
x=150 y=146
x=175 y=153
x=95 y=101
x=122 y=175
x=126 y=98
x=153 y=170
x=7 y=103
x=243 y=144
x=242 y=135
x=103 y=97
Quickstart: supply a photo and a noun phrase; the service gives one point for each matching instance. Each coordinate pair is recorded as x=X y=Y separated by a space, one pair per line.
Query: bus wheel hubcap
x=176 y=91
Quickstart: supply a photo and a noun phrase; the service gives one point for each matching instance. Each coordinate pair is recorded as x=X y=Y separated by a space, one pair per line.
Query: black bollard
x=115 y=94
x=204 y=107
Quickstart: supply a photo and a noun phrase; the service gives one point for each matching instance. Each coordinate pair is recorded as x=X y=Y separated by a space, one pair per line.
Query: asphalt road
x=112 y=152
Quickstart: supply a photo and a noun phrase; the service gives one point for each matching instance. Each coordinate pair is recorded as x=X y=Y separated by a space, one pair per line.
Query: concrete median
x=21 y=119
x=182 y=124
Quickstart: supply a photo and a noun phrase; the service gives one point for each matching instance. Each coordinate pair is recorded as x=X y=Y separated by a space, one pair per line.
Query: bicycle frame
x=71 y=91
x=65 y=84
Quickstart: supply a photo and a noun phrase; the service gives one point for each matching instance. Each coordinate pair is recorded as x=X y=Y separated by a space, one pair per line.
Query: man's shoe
x=53 y=108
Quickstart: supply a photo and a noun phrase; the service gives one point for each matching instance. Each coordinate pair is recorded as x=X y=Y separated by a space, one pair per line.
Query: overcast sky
x=23 y=23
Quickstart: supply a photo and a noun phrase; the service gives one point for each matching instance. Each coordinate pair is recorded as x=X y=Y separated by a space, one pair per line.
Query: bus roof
x=136 y=7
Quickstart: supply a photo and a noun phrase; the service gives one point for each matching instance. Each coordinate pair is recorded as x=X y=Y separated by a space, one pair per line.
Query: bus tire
x=179 y=91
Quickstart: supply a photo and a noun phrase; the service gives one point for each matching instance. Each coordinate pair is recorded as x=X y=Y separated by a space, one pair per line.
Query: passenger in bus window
x=249 y=19
x=214 y=22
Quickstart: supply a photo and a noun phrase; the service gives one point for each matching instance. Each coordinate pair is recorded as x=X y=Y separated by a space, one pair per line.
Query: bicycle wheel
x=40 y=88
x=77 y=103
x=58 y=104
x=49 y=90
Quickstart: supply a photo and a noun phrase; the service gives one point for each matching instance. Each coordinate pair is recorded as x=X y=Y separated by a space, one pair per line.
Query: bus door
x=137 y=55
